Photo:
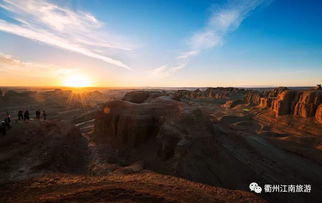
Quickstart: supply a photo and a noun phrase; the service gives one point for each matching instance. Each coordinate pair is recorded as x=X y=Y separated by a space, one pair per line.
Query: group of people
x=6 y=123
x=26 y=116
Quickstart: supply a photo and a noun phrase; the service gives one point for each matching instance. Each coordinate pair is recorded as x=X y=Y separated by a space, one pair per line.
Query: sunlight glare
x=76 y=81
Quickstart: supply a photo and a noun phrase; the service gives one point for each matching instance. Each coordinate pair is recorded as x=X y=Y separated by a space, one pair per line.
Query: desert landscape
x=160 y=101
x=203 y=145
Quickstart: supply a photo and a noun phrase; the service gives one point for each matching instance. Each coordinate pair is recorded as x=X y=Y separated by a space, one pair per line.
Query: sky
x=161 y=43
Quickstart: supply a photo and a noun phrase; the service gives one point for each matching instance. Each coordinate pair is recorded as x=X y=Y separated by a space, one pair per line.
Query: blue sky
x=162 y=42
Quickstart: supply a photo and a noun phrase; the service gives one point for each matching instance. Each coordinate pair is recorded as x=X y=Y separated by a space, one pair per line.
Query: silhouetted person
x=38 y=114
x=26 y=115
x=20 y=115
x=3 y=128
x=7 y=121
x=44 y=114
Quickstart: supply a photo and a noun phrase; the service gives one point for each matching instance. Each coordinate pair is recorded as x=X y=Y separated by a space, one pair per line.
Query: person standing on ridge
x=44 y=114
x=26 y=115
x=20 y=115
x=8 y=120
x=3 y=128
x=38 y=114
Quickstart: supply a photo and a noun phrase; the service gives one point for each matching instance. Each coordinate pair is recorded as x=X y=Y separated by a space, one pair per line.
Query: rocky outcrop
x=232 y=103
x=262 y=98
x=136 y=96
x=318 y=114
x=252 y=97
x=284 y=103
x=182 y=94
x=169 y=137
x=300 y=103
x=307 y=103
x=38 y=148
x=129 y=125
x=281 y=100
x=160 y=133
x=265 y=102
x=274 y=92
x=141 y=96
x=176 y=138
x=218 y=93
x=65 y=148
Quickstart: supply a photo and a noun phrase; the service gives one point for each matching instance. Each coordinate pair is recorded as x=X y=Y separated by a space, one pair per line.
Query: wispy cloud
x=223 y=20
x=13 y=65
x=76 y=31
x=166 y=71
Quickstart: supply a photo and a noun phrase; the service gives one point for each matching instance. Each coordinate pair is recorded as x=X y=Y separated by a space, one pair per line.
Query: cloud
x=76 y=31
x=188 y=54
x=166 y=71
x=223 y=20
x=12 y=65
x=7 y=61
x=17 y=72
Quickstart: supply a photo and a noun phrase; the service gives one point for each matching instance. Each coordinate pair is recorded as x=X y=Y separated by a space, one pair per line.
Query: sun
x=77 y=81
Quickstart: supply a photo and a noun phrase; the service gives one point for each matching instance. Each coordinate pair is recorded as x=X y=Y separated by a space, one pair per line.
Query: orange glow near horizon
x=77 y=81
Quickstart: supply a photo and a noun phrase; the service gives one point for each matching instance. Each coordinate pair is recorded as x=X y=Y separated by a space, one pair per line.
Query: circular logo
x=255 y=187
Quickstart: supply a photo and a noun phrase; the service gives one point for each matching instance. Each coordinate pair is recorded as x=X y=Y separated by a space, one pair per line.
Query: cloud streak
x=223 y=20
x=75 y=31
x=166 y=71
x=11 y=64
x=17 y=72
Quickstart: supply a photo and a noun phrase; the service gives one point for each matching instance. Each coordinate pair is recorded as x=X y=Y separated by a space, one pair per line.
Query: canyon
x=147 y=145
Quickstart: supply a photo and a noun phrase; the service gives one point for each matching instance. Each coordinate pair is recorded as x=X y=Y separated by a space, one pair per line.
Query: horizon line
x=157 y=87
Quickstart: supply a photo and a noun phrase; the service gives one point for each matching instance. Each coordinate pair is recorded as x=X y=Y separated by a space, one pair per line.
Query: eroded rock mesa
x=283 y=101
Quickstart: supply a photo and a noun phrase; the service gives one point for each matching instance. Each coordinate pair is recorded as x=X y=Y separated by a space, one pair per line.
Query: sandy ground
x=139 y=187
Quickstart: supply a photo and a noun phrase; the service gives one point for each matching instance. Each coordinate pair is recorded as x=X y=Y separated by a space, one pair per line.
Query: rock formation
x=318 y=114
x=252 y=97
x=162 y=133
x=127 y=124
x=307 y=103
x=143 y=119
x=141 y=96
x=218 y=93
x=283 y=105
x=177 y=138
x=136 y=96
x=42 y=147
x=265 y=102
x=232 y=103
x=262 y=98
x=281 y=100
x=300 y=103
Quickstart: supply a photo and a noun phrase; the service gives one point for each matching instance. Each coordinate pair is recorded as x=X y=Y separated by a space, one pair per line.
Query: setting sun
x=77 y=81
